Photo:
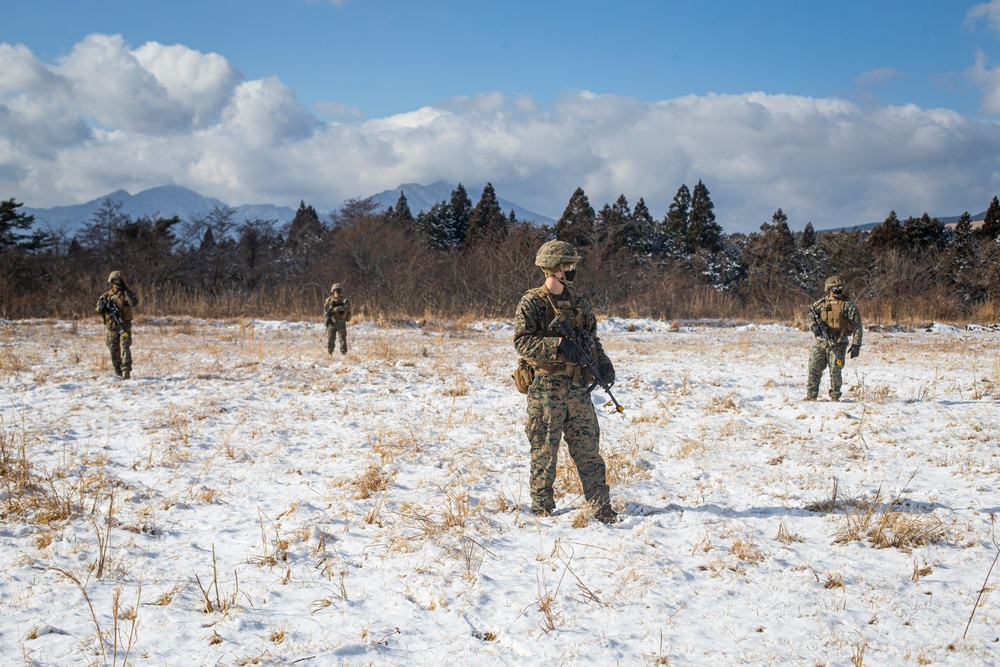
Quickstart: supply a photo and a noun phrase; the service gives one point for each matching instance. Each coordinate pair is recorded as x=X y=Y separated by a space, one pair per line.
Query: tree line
x=460 y=259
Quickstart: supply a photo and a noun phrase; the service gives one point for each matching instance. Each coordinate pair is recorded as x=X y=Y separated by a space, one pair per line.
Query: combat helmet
x=554 y=254
x=114 y=275
x=833 y=281
x=336 y=286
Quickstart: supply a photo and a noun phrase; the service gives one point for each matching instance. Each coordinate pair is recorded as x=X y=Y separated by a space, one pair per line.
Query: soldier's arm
x=131 y=299
x=530 y=340
x=590 y=323
x=854 y=315
x=347 y=308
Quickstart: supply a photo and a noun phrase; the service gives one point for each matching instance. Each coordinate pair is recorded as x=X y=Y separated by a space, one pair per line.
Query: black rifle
x=586 y=360
x=114 y=312
x=819 y=327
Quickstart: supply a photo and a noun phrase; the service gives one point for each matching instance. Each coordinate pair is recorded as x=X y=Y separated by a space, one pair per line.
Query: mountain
x=169 y=200
x=423 y=197
x=165 y=201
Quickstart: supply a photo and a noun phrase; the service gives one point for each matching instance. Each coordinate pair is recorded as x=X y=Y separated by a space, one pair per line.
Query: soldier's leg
x=818 y=359
x=583 y=438
x=837 y=355
x=546 y=414
x=126 y=351
x=342 y=327
x=331 y=338
x=111 y=338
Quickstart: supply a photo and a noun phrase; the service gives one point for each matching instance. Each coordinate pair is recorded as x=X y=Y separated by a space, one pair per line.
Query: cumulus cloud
x=987 y=79
x=109 y=117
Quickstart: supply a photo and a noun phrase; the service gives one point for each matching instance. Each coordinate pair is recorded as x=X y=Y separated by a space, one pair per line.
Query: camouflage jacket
x=538 y=344
x=126 y=301
x=337 y=309
x=849 y=321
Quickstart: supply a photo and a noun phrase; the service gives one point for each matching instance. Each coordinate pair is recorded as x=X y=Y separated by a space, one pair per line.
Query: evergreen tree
x=808 y=239
x=305 y=227
x=642 y=229
x=991 y=223
x=612 y=224
x=578 y=223
x=888 y=236
x=487 y=220
x=675 y=223
x=401 y=216
x=10 y=222
x=703 y=231
x=925 y=232
x=460 y=208
x=435 y=226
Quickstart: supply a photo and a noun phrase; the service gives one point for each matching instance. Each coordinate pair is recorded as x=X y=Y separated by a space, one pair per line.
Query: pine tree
x=460 y=208
x=10 y=222
x=487 y=220
x=305 y=226
x=612 y=224
x=578 y=223
x=401 y=216
x=703 y=231
x=889 y=235
x=991 y=223
x=808 y=239
x=675 y=223
x=435 y=226
x=642 y=229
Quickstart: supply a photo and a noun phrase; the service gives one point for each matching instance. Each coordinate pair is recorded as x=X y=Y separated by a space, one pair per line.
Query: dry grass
x=883 y=525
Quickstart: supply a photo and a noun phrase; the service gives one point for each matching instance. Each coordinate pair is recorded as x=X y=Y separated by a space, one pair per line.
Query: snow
x=270 y=504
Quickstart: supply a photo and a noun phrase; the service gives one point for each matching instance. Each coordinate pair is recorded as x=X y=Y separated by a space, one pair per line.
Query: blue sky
x=836 y=112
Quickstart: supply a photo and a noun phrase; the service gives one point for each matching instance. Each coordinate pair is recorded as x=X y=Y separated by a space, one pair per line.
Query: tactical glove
x=608 y=372
x=817 y=330
x=570 y=350
x=855 y=351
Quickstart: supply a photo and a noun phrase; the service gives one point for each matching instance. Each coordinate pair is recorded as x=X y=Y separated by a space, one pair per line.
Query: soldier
x=559 y=403
x=115 y=306
x=338 y=313
x=835 y=321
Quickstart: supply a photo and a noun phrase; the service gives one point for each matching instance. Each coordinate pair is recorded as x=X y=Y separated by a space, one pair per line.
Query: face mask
x=569 y=276
x=837 y=291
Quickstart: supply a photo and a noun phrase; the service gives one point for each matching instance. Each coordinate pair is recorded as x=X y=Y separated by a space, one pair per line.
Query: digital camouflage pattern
x=559 y=405
x=843 y=320
x=338 y=312
x=118 y=339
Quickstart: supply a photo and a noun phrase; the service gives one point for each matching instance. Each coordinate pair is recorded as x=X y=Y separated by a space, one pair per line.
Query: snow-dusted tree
x=577 y=225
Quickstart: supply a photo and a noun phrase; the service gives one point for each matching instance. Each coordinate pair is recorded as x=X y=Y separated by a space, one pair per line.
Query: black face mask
x=569 y=276
x=837 y=291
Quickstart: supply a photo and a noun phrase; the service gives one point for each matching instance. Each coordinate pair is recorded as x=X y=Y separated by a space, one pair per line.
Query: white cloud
x=108 y=117
x=990 y=11
x=988 y=81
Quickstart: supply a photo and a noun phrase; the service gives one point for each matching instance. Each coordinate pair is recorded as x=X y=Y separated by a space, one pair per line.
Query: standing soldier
x=835 y=320
x=115 y=306
x=338 y=313
x=559 y=403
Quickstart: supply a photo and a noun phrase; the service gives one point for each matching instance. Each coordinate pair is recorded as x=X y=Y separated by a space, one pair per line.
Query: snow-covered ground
x=247 y=499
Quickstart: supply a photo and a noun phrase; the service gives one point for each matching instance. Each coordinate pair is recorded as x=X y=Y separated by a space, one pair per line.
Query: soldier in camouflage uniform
x=338 y=312
x=115 y=306
x=835 y=321
x=559 y=403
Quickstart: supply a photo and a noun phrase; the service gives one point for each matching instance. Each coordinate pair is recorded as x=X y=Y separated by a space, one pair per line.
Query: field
x=247 y=499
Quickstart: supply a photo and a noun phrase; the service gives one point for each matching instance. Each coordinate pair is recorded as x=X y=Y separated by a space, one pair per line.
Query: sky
x=835 y=112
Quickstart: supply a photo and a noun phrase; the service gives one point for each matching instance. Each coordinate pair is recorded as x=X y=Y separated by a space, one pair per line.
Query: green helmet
x=554 y=254
x=336 y=287
x=833 y=281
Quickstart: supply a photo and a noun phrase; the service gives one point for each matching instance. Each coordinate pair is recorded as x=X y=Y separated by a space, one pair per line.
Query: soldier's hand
x=855 y=351
x=817 y=330
x=570 y=350
x=608 y=372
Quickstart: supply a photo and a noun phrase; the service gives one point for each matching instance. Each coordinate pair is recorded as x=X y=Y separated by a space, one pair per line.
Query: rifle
x=586 y=360
x=114 y=312
x=819 y=327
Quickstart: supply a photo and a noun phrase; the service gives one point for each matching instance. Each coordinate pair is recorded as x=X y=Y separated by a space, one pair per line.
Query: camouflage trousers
x=332 y=330
x=557 y=410
x=120 y=346
x=819 y=358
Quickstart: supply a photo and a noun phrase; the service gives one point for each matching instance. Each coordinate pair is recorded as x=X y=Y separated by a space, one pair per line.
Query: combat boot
x=607 y=514
x=126 y=374
x=810 y=397
x=118 y=371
